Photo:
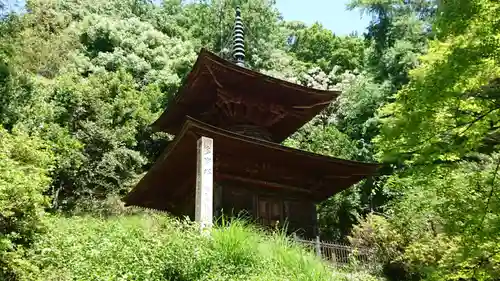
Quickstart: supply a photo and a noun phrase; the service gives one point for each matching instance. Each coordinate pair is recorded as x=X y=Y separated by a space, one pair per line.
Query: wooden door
x=270 y=211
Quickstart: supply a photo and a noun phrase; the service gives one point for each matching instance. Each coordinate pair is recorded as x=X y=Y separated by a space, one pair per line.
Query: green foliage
x=211 y=24
x=339 y=213
x=442 y=128
x=355 y=109
x=154 y=247
x=78 y=10
x=147 y=54
x=101 y=95
x=455 y=231
x=87 y=78
x=320 y=47
x=325 y=140
x=24 y=165
x=396 y=37
x=37 y=40
x=94 y=124
x=377 y=233
x=441 y=229
x=449 y=108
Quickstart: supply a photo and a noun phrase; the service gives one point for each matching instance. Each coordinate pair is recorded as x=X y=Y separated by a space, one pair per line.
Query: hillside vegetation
x=149 y=246
x=81 y=81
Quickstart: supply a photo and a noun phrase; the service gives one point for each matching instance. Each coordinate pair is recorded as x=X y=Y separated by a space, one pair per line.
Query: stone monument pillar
x=204 y=183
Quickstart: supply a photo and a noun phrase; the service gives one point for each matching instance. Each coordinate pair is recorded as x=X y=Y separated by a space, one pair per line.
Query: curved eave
x=169 y=184
x=309 y=100
x=213 y=58
x=209 y=130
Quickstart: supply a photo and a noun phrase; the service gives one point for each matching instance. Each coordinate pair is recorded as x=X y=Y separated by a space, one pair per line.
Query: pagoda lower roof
x=170 y=184
x=223 y=94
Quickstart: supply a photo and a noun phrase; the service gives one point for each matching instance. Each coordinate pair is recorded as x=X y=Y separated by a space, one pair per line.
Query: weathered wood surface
x=220 y=93
x=282 y=207
x=170 y=183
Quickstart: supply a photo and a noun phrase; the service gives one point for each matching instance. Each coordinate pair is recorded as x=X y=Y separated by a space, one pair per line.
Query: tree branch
x=492 y=191
x=479 y=118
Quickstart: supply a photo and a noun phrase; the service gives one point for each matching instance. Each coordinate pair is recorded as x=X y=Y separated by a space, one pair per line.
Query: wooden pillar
x=218 y=189
x=204 y=183
x=315 y=220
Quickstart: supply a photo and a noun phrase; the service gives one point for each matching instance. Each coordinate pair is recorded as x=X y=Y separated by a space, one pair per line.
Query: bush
x=152 y=246
x=375 y=232
x=23 y=178
x=108 y=207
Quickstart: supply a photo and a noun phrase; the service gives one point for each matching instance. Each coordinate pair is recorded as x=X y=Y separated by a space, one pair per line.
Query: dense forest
x=81 y=81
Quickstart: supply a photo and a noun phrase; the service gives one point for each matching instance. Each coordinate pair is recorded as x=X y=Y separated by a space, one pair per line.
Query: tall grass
x=156 y=247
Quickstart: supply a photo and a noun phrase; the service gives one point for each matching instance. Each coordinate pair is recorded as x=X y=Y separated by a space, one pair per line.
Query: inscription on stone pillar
x=204 y=182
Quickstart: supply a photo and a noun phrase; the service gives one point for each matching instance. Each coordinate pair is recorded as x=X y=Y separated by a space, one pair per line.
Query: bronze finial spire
x=238 y=40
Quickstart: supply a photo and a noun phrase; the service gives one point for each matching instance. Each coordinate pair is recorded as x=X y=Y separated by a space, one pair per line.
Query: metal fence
x=339 y=253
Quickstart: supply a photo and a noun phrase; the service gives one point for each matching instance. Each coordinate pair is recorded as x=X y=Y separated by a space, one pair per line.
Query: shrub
x=375 y=232
x=23 y=178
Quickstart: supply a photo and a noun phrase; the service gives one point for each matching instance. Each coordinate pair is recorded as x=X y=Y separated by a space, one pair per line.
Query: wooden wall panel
x=237 y=201
x=298 y=214
x=301 y=216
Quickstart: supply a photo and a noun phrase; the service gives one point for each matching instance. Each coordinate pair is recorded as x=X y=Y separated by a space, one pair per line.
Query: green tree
x=320 y=47
x=339 y=213
x=211 y=23
x=449 y=108
x=441 y=131
x=90 y=85
x=147 y=54
x=396 y=37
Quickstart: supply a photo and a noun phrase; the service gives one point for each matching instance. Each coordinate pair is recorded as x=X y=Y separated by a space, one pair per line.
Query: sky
x=331 y=13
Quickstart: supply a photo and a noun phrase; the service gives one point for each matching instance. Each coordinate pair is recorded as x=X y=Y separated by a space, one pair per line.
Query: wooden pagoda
x=247 y=115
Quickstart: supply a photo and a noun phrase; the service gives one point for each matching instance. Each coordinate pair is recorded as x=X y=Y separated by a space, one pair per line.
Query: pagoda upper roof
x=170 y=183
x=223 y=94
